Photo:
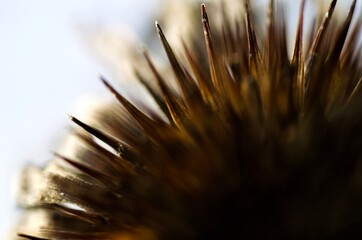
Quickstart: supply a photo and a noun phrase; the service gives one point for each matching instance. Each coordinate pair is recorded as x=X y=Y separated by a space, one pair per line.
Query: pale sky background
x=45 y=69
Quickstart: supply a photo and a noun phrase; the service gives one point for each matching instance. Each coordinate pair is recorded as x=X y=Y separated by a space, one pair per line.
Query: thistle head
x=250 y=144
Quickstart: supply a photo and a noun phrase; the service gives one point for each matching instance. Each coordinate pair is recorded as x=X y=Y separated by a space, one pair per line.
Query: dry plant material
x=252 y=144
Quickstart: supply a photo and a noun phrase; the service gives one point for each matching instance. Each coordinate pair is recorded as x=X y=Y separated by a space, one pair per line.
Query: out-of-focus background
x=47 y=68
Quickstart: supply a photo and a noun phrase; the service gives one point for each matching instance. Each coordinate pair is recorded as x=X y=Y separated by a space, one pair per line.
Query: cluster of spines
x=222 y=91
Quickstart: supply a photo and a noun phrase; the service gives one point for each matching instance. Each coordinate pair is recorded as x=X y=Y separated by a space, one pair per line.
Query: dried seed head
x=251 y=144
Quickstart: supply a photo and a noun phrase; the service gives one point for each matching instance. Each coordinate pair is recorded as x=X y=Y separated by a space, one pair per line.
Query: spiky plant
x=251 y=145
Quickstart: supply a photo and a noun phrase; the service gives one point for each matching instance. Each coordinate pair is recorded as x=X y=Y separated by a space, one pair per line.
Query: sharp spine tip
x=107 y=84
x=102 y=79
x=69 y=116
x=158 y=27
x=203 y=11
